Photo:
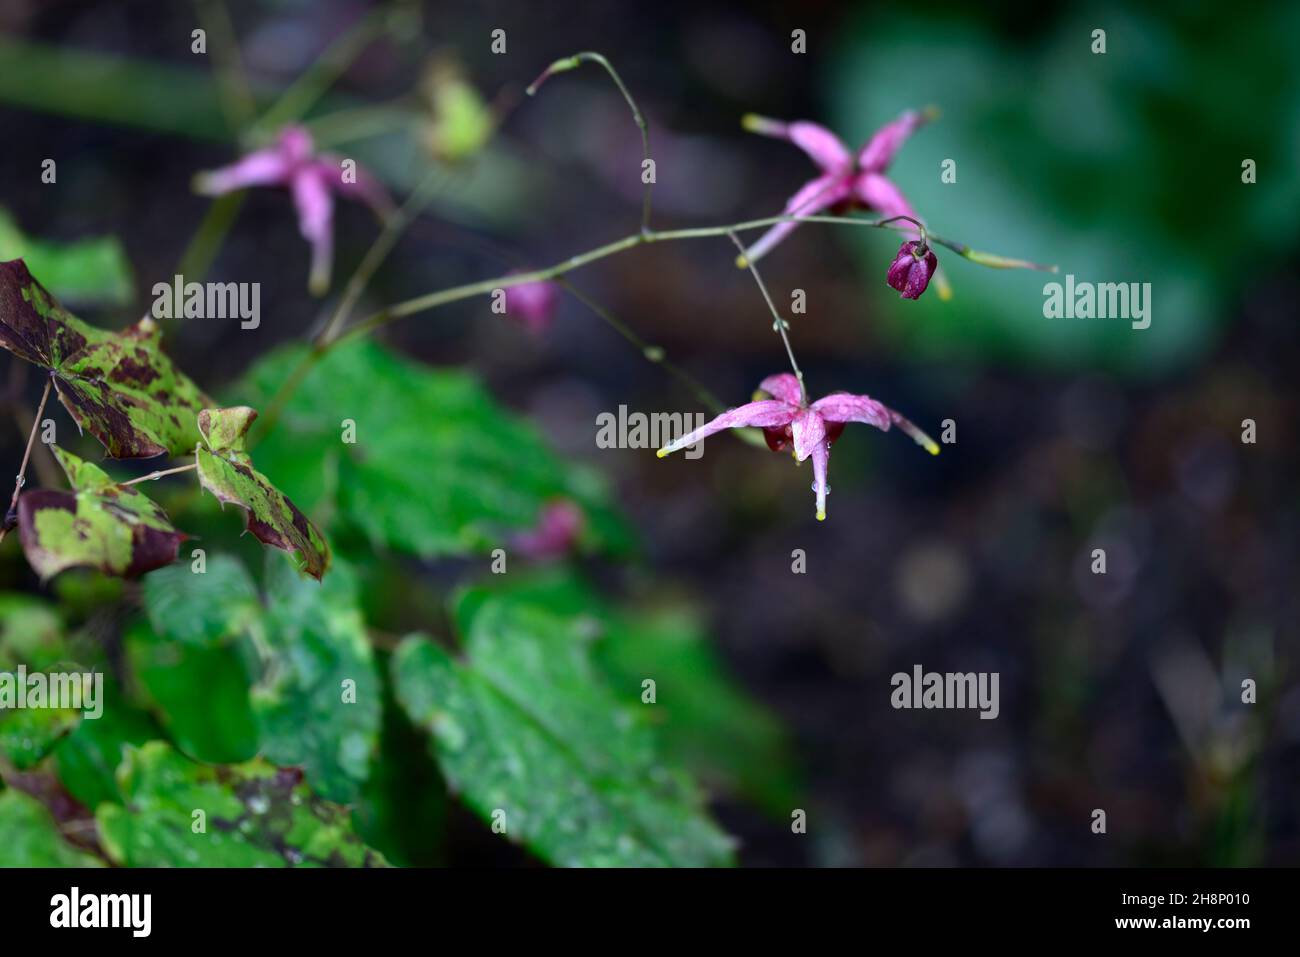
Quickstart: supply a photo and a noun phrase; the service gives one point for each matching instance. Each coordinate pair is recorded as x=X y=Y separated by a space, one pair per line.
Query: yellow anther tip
x=821 y=516
x=742 y=262
x=661 y=453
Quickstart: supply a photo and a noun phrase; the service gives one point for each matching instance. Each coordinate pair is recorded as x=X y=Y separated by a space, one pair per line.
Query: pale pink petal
x=879 y=151
x=822 y=146
x=812 y=198
x=882 y=195
x=844 y=407
x=783 y=386
x=269 y=167
x=809 y=430
x=311 y=194
x=820 y=459
x=765 y=414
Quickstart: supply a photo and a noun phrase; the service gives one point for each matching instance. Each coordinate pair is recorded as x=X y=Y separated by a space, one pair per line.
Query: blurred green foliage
x=437 y=468
x=93 y=271
x=525 y=731
x=1119 y=167
x=253 y=816
x=32 y=836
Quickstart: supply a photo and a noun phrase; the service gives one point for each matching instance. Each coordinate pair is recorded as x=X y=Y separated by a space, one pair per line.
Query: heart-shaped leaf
x=99 y=524
x=531 y=739
x=118 y=386
x=452 y=473
x=307 y=694
x=226 y=471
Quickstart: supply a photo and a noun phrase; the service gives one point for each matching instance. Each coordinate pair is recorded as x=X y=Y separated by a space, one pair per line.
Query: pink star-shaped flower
x=847 y=180
x=313 y=179
x=788 y=420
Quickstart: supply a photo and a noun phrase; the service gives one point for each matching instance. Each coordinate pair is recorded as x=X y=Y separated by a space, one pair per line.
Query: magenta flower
x=555 y=533
x=313 y=179
x=911 y=269
x=847 y=180
x=533 y=304
x=787 y=420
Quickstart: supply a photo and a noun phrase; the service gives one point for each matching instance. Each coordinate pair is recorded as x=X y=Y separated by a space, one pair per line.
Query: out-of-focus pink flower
x=555 y=533
x=313 y=179
x=911 y=269
x=848 y=180
x=781 y=410
x=533 y=304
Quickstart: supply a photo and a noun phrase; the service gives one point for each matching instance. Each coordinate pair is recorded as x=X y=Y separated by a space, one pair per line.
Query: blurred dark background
x=1118 y=692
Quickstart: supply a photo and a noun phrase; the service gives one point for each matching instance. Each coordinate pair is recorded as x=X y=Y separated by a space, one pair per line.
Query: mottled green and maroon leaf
x=99 y=524
x=118 y=386
x=226 y=471
x=254 y=815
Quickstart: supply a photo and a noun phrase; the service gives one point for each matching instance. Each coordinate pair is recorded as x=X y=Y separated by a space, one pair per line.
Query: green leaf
x=201 y=609
x=89 y=270
x=28 y=734
x=31 y=632
x=86 y=760
x=226 y=471
x=437 y=466
x=32 y=639
x=99 y=524
x=275 y=669
x=703 y=719
x=524 y=727
x=199 y=693
x=318 y=703
x=32 y=837
x=118 y=386
x=254 y=815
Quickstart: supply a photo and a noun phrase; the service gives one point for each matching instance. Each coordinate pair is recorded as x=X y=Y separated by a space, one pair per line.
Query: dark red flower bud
x=911 y=270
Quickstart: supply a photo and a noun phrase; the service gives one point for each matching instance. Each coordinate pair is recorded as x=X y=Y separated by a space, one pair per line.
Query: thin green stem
x=373 y=259
x=779 y=325
x=393 y=229
x=487 y=286
x=154 y=476
x=654 y=354
x=570 y=63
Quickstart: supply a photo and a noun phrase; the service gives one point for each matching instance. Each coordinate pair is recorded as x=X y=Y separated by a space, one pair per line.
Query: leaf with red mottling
x=226 y=471
x=118 y=386
x=99 y=524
